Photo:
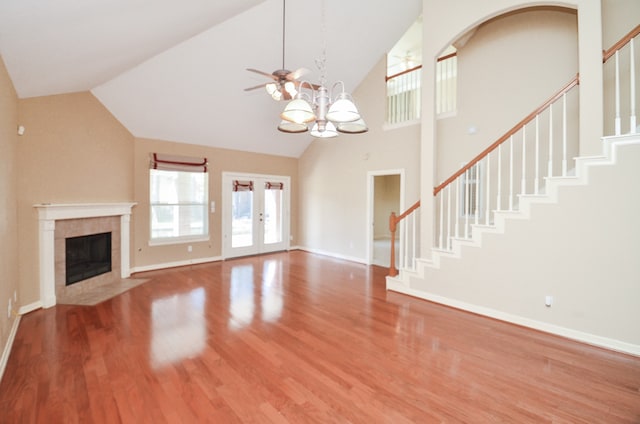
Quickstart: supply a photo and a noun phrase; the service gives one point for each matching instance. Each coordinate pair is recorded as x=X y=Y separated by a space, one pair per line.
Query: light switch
x=213 y=206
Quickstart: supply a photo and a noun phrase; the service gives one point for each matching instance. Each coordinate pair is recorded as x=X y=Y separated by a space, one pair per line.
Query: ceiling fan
x=284 y=85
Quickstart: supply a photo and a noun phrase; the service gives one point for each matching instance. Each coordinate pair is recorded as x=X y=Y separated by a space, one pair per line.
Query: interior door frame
x=371 y=203
x=227 y=177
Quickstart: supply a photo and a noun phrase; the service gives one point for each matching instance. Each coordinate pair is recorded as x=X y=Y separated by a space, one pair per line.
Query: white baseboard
x=7 y=348
x=165 y=265
x=334 y=255
x=588 y=338
x=30 y=307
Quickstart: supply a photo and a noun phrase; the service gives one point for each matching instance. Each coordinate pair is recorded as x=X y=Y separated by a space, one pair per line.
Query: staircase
x=578 y=243
x=558 y=252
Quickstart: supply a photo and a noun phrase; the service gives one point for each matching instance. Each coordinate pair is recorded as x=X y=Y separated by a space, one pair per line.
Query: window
x=178 y=200
x=447 y=82
x=471 y=191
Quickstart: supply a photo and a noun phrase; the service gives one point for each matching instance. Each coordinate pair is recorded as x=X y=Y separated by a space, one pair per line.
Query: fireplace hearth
x=87 y=256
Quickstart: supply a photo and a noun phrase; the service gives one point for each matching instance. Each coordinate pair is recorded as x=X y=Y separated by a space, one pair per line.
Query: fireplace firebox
x=87 y=256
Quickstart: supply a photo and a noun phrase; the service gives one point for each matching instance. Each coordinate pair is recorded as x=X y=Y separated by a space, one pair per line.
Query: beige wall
x=560 y=252
x=220 y=160
x=8 y=198
x=73 y=151
x=504 y=74
x=618 y=18
x=441 y=27
x=333 y=174
x=581 y=250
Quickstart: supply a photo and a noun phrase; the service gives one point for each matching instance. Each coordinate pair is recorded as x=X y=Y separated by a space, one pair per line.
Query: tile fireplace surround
x=49 y=213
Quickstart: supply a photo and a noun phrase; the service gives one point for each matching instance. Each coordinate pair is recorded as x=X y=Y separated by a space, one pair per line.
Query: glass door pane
x=255 y=214
x=272 y=215
x=242 y=218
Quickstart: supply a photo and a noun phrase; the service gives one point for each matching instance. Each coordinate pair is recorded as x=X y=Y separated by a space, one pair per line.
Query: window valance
x=242 y=185
x=167 y=162
x=273 y=186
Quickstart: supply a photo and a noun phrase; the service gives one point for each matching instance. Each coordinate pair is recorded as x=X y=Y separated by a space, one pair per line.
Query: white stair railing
x=409 y=243
x=495 y=170
x=538 y=147
x=472 y=195
x=622 y=70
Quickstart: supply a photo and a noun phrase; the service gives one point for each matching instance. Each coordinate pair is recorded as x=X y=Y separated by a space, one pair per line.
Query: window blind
x=273 y=186
x=167 y=162
x=242 y=185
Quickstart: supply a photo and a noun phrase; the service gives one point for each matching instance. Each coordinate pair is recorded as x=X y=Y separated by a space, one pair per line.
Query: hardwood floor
x=300 y=338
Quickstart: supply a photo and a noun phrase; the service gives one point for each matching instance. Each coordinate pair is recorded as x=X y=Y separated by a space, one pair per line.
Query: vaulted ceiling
x=176 y=71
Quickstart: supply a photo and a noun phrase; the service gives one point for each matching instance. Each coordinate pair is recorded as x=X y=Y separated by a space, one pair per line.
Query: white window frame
x=204 y=204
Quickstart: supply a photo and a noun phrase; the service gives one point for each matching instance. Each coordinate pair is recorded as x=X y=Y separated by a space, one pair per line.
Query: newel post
x=392 y=227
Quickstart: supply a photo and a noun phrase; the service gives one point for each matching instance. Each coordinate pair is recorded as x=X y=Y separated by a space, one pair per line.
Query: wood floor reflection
x=299 y=338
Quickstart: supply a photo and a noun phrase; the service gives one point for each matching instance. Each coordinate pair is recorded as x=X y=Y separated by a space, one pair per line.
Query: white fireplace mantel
x=49 y=213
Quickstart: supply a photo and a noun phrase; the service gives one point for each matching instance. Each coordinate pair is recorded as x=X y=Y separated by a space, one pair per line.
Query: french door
x=255 y=214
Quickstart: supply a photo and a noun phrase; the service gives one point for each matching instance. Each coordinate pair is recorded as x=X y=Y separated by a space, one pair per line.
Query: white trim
x=30 y=307
x=48 y=213
x=390 y=127
x=334 y=255
x=580 y=336
x=55 y=211
x=445 y=115
x=175 y=264
x=179 y=240
x=7 y=347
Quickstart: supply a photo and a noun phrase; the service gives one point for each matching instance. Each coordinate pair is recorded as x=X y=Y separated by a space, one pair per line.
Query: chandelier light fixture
x=315 y=109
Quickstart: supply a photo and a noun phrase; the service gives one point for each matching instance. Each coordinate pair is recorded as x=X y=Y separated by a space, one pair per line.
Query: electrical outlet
x=189 y=248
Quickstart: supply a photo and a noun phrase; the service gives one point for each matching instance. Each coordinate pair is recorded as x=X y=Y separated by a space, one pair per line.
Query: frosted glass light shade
x=298 y=111
x=343 y=110
x=328 y=132
x=272 y=89
x=355 y=127
x=292 y=127
x=290 y=87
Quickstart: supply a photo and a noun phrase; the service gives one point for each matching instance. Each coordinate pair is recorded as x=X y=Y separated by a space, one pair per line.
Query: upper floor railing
x=404 y=91
x=404 y=96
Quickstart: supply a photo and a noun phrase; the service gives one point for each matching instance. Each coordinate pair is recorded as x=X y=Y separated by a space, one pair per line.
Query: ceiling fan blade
x=297 y=74
x=254 y=88
x=306 y=84
x=262 y=73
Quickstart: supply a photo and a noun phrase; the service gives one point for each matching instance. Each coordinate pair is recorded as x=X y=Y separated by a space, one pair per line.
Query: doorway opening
x=386 y=195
